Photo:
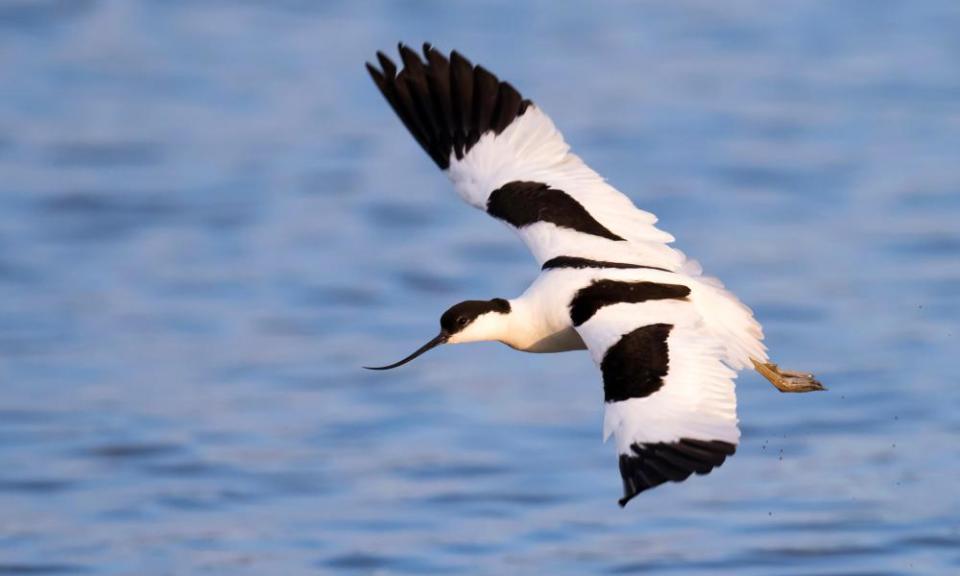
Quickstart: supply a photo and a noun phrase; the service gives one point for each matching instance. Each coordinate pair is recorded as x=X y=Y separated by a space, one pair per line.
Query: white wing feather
x=531 y=149
x=697 y=399
x=485 y=136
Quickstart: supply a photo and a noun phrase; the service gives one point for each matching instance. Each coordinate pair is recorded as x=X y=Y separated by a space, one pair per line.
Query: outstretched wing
x=669 y=396
x=505 y=157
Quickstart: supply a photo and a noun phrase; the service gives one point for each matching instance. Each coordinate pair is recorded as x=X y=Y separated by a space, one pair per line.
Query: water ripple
x=42 y=568
x=104 y=154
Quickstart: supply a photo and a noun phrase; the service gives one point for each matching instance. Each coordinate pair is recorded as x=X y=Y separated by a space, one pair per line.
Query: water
x=209 y=220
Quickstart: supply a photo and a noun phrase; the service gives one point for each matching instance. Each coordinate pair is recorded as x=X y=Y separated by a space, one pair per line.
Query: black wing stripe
x=588 y=301
x=636 y=365
x=447 y=105
x=522 y=204
x=650 y=465
x=581 y=263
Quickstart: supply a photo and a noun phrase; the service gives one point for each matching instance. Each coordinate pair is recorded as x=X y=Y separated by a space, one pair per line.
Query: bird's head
x=468 y=321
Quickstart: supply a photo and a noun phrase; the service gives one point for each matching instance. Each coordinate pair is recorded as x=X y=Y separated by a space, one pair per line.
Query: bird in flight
x=668 y=341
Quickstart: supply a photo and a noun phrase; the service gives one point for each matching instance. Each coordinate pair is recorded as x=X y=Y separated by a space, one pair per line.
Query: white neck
x=522 y=329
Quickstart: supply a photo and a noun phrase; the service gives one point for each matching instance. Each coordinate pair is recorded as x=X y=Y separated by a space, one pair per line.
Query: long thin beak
x=440 y=339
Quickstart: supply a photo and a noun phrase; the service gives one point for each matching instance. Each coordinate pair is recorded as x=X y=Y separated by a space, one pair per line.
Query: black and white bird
x=668 y=340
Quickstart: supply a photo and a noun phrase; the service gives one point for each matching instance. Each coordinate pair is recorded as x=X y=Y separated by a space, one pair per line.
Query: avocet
x=668 y=340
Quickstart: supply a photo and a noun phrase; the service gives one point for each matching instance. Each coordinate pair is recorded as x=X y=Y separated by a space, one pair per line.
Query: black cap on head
x=459 y=316
x=454 y=320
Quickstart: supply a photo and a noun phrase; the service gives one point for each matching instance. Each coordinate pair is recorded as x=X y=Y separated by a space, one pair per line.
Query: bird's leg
x=787 y=380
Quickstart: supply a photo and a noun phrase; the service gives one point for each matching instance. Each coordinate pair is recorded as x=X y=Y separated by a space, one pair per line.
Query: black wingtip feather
x=454 y=55
x=411 y=60
x=508 y=107
x=485 y=96
x=423 y=104
x=375 y=74
x=407 y=109
x=446 y=104
x=650 y=465
x=387 y=65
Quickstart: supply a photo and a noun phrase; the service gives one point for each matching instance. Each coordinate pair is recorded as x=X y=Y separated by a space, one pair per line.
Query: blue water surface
x=209 y=220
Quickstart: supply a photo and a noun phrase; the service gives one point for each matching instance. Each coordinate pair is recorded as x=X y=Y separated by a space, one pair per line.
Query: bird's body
x=666 y=338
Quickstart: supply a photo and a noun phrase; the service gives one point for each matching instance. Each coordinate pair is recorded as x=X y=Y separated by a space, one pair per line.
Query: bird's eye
x=462 y=321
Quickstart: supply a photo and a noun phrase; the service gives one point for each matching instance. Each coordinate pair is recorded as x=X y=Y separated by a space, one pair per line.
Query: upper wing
x=505 y=156
x=669 y=397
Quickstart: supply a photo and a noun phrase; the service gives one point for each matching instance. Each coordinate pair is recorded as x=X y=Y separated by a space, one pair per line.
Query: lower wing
x=669 y=398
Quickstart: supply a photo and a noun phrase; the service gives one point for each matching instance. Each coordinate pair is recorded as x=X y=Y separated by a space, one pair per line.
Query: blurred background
x=209 y=220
